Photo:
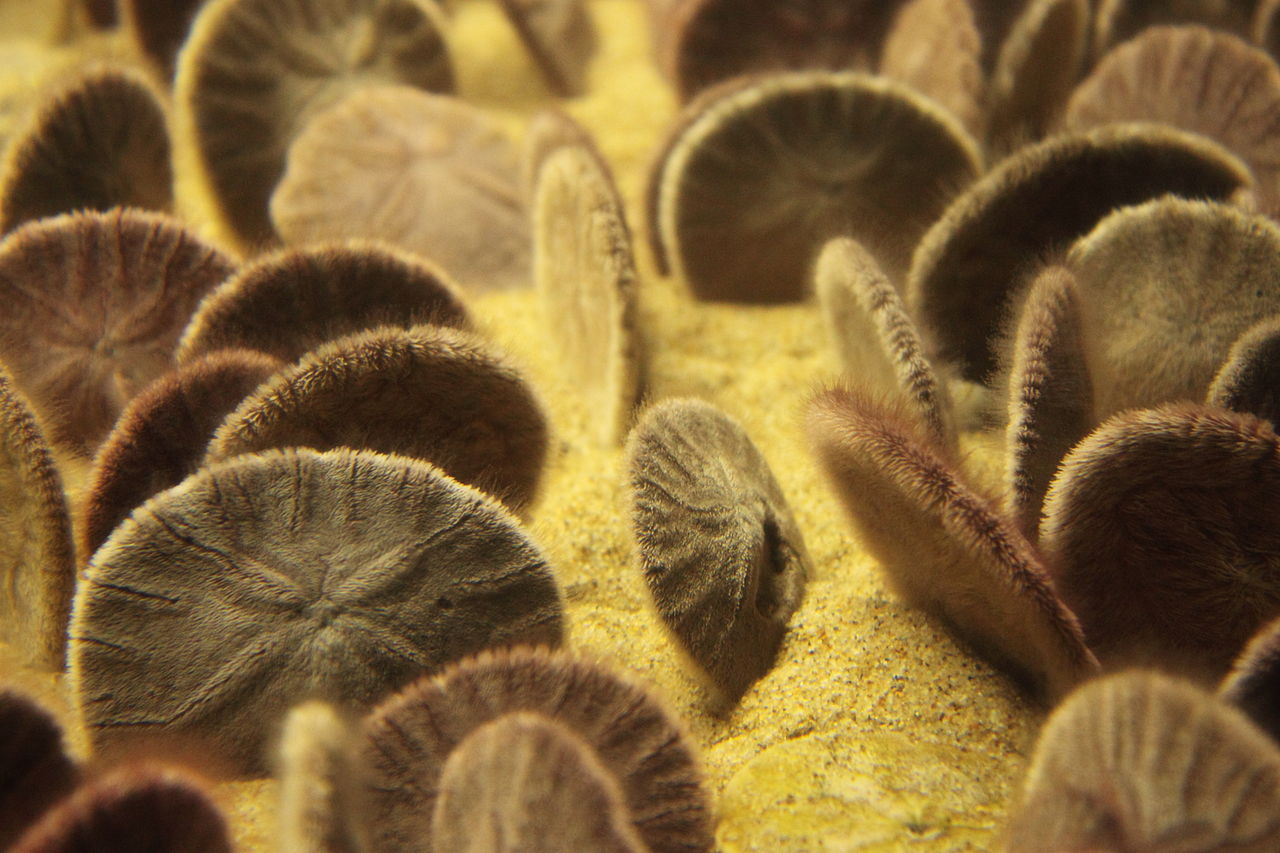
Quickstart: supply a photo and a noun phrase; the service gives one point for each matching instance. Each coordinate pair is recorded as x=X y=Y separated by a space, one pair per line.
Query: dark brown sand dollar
x=943 y=546
x=1038 y=65
x=429 y=392
x=253 y=71
x=561 y=36
x=766 y=174
x=935 y=48
x=162 y=434
x=316 y=785
x=408 y=739
x=99 y=141
x=35 y=771
x=974 y=258
x=1253 y=684
x=721 y=553
x=429 y=173
x=158 y=28
x=37 y=559
x=995 y=20
x=878 y=343
x=1142 y=761
x=94 y=306
x=715 y=40
x=129 y=811
x=288 y=303
x=1161 y=526
x=1119 y=20
x=584 y=269
x=1249 y=380
x=1050 y=393
x=290 y=575
x=1166 y=288
x=524 y=783
x=1198 y=80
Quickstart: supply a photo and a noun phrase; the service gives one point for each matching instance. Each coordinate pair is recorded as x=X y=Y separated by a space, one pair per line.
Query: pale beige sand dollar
x=934 y=47
x=428 y=173
x=316 y=781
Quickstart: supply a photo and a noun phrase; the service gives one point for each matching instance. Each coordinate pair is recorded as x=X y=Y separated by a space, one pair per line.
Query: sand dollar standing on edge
x=721 y=553
x=291 y=575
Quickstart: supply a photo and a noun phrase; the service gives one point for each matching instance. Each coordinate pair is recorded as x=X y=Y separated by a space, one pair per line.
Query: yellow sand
x=875 y=731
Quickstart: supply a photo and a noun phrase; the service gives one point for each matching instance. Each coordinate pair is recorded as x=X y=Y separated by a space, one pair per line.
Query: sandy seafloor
x=875 y=731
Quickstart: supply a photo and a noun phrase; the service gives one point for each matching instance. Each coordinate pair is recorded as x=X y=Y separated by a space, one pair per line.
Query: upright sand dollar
x=1249 y=379
x=253 y=71
x=290 y=575
x=721 y=553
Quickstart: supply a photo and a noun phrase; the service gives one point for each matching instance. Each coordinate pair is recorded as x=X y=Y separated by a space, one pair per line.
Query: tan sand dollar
x=428 y=173
x=253 y=71
x=561 y=36
x=316 y=782
x=934 y=47
x=584 y=269
x=340 y=575
x=429 y=392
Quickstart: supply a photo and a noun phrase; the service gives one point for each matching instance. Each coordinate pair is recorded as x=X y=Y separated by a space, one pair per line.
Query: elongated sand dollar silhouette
x=316 y=782
x=547 y=132
x=584 y=269
x=1253 y=684
x=430 y=392
x=288 y=303
x=942 y=545
x=1142 y=761
x=253 y=71
x=1050 y=404
x=408 y=738
x=291 y=575
x=974 y=258
x=1166 y=289
x=162 y=435
x=1265 y=28
x=429 y=173
x=158 y=28
x=1249 y=380
x=97 y=142
x=721 y=553
x=935 y=48
x=767 y=173
x=878 y=342
x=524 y=782
x=1193 y=78
x=35 y=771
x=561 y=36
x=1160 y=528
x=132 y=809
x=94 y=306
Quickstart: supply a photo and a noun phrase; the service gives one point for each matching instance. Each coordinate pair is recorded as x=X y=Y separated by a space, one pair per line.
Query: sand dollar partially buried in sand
x=429 y=392
x=94 y=304
x=253 y=71
x=758 y=179
x=292 y=575
x=721 y=553
x=429 y=173
x=585 y=271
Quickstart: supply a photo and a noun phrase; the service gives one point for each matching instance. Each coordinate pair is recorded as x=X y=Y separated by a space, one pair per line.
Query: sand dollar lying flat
x=288 y=303
x=767 y=173
x=1160 y=528
x=943 y=546
x=290 y=575
x=98 y=142
x=253 y=71
x=429 y=173
x=408 y=739
x=585 y=272
x=1166 y=288
x=524 y=782
x=35 y=771
x=1141 y=761
x=561 y=36
x=161 y=437
x=934 y=47
x=1050 y=393
x=973 y=259
x=316 y=784
x=722 y=556
x=1196 y=79
x=878 y=342
x=133 y=809
x=37 y=559
x=94 y=304
x=434 y=393
x=1253 y=684
x=1249 y=380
